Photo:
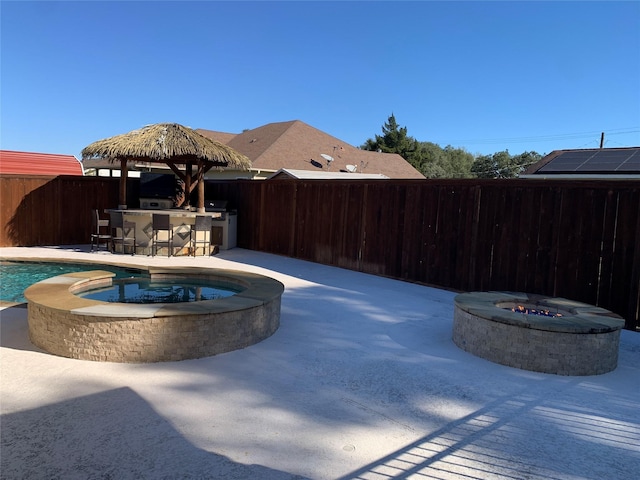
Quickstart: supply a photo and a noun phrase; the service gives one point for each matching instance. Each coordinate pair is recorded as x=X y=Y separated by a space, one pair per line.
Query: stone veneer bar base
x=65 y=324
x=584 y=341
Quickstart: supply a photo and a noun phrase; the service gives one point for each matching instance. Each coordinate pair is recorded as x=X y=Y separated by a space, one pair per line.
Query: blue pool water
x=145 y=290
x=16 y=277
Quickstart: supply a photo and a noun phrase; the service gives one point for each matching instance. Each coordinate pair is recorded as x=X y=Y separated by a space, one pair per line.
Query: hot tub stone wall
x=64 y=324
x=571 y=346
x=155 y=339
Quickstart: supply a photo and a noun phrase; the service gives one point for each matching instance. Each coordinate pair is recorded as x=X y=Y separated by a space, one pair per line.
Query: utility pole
x=602 y=140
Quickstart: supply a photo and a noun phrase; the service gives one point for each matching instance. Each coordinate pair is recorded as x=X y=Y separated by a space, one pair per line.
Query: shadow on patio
x=113 y=434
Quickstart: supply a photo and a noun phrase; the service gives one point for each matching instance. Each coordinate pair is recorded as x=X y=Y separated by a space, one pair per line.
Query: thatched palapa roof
x=169 y=143
x=172 y=144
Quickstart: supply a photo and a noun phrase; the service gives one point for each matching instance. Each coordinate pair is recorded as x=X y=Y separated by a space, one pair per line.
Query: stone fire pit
x=566 y=338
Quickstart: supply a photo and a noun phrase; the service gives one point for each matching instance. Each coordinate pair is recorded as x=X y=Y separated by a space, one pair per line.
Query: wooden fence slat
x=543 y=238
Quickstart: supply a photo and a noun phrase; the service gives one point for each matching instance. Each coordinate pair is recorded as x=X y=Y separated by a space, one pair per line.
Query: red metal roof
x=29 y=163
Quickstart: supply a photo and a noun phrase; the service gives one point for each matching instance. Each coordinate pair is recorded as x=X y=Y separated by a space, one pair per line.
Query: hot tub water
x=145 y=290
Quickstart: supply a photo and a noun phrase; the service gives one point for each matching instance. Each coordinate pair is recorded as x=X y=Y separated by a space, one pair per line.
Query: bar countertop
x=173 y=212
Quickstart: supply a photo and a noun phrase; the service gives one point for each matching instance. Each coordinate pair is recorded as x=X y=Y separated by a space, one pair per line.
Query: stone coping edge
x=58 y=293
x=581 y=318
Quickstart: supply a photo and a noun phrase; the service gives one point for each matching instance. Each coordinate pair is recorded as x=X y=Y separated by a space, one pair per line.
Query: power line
x=547 y=138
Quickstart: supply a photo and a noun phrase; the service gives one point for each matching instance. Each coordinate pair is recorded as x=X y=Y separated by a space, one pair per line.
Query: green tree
x=434 y=161
x=484 y=167
x=394 y=139
x=503 y=164
x=497 y=165
x=431 y=160
x=458 y=162
x=524 y=160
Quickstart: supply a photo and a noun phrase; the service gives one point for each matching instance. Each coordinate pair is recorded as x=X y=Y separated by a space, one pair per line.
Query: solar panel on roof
x=565 y=162
x=578 y=155
x=618 y=154
x=630 y=165
x=600 y=161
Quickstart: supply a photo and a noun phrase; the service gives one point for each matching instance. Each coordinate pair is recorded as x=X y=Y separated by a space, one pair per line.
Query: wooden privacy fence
x=579 y=240
x=45 y=210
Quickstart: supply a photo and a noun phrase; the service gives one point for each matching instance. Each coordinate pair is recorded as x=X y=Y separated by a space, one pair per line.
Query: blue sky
x=484 y=76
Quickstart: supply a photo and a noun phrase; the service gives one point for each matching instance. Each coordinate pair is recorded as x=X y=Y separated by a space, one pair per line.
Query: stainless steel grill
x=216 y=205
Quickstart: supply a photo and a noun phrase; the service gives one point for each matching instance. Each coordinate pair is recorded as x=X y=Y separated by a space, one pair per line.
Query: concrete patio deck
x=361 y=381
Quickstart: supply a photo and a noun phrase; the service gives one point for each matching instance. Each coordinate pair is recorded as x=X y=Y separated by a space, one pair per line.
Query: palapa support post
x=123 y=184
x=200 y=181
x=187 y=186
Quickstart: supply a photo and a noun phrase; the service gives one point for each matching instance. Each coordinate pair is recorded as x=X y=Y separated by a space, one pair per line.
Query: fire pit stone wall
x=582 y=340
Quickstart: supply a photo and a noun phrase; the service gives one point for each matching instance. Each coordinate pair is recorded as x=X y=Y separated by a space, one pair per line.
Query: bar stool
x=161 y=223
x=123 y=232
x=98 y=235
x=202 y=224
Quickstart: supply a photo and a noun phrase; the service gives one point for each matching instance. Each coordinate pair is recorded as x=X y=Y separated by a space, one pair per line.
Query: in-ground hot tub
x=562 y=336
x=63 y=323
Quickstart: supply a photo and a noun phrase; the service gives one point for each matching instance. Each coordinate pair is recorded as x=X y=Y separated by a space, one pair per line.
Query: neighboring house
x=294 y=145
x=107 y=168
x=590 y=163
x=31 y=163
x=289 y=174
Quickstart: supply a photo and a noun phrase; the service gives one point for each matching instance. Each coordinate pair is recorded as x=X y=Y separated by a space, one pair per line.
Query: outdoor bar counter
x=181 y=219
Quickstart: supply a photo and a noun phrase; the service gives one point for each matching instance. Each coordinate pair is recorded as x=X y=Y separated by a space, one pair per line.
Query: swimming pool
x=17 y=276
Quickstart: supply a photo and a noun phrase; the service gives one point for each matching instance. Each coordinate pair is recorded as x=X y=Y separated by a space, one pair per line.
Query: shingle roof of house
x=297 y=146
x=589 y=162
x=31 y=163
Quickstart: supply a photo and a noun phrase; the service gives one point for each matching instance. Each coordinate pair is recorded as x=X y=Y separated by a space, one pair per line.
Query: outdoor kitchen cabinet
x=224 y=230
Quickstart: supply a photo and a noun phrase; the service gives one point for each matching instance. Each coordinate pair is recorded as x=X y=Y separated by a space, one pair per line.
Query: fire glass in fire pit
x=533 y=310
